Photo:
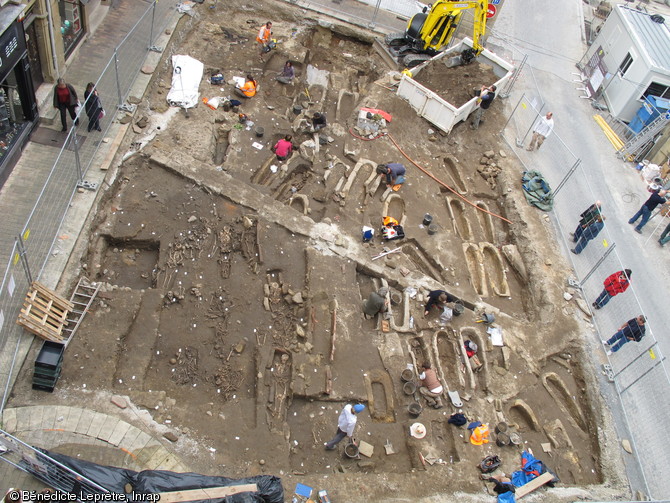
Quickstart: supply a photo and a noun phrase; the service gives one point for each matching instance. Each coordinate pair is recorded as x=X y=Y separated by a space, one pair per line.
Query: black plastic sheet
x=150 y=482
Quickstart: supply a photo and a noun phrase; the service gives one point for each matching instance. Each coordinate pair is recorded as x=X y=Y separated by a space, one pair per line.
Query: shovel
x=388 y=447
x=487 y=319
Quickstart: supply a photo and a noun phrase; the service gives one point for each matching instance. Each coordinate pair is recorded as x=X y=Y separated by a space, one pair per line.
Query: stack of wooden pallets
x=45 y=313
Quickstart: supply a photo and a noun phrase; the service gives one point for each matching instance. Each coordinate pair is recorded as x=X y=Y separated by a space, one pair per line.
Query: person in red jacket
x=283 y=148
x=614 y=284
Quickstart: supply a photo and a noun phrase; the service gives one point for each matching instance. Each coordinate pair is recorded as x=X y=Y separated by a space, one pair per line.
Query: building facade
x=38 y=39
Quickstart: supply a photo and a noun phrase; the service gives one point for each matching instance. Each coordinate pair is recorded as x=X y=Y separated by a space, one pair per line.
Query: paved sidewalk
x=21 y=191
x=25 y=185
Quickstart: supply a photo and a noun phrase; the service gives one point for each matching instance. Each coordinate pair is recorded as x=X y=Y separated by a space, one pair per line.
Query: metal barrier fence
x=34 y=243
x=42 y=466
x=638 y=370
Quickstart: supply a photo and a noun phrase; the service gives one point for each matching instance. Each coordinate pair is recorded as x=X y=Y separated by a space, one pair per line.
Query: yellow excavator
x=428 y=32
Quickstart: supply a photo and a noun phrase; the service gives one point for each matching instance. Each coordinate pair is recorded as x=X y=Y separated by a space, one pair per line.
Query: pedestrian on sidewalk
x=287 y=74
x=632 y=330
x=264 y=38
x=665 y=235
x=93 y=107
x=65 y=99
x=248 y=89
x=541 y=131
x=431 y=388
x=587 y=217
x=486 y=97
x=283 y=148
x=346 y=424
x=656 y=198
x=588 y=234
x=614 y=284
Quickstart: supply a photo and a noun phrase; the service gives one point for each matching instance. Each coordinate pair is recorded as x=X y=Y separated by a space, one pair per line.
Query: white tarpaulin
x=186 y=76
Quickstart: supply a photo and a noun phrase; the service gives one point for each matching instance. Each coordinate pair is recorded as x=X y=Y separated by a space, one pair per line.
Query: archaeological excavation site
x=232 y=284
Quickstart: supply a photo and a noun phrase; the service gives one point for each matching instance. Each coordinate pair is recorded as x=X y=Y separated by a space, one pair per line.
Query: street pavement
x=550 y=33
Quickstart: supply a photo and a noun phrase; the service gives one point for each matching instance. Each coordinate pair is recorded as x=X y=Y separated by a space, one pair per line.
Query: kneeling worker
x=394 y=172
x=318 y=121
x=438 y=298
x=248 y=89
x=431 y=388
x=377 y=303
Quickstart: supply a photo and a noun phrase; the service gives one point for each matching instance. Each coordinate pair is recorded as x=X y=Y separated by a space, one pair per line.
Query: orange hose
x=444 y=184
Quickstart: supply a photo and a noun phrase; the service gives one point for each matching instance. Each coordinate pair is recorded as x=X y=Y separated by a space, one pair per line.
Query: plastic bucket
x=432 y=229
x=409 y=388
x=414 y=409
x=297 y=109
x=459 y=308
x=260 y=131
x=502 y=439
x=515 y=438
x=501 y=427
x=407 y=375
x=427 y=219
x=351 y=451
x=396 y=298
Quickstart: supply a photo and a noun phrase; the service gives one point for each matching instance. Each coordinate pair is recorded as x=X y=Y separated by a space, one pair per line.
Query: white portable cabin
x=629 y=60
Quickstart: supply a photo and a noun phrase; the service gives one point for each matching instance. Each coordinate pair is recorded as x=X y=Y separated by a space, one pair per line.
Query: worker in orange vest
x=248 y=89
x=480 y=435
x=264 y=36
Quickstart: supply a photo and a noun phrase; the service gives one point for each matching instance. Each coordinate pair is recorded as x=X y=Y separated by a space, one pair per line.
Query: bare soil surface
x=224 y=288
x=456 y=84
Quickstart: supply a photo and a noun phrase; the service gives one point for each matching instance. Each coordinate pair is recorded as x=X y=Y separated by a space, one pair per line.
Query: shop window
x=72 y=26
x=12 y=115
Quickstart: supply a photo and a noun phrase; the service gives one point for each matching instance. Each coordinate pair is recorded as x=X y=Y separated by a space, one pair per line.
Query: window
x=625 y=65
x=656 y=89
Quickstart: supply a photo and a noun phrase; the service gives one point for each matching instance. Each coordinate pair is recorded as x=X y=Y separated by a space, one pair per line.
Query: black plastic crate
x=51 y=381
x=39 y=387
x=46 y=373
x=51 y=355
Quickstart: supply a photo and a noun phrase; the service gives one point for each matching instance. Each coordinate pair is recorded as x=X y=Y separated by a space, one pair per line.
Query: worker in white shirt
x=345 y=424
x=431 y=388
x=541 y=131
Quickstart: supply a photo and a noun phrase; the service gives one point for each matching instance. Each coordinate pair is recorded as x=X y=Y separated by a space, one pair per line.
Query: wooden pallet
x=44 y=313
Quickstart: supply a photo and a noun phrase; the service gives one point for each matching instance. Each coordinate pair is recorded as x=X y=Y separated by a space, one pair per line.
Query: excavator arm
x=441 y=22
x=430 y=31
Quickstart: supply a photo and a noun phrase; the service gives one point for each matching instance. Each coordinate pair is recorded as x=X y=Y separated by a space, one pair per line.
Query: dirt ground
x=455 y=84
x=227 y=275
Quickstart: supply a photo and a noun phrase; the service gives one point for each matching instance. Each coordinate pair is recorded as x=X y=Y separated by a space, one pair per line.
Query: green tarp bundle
x=537 y=190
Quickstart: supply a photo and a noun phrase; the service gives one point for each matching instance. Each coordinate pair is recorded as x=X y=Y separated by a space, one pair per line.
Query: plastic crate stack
x=48 y=366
